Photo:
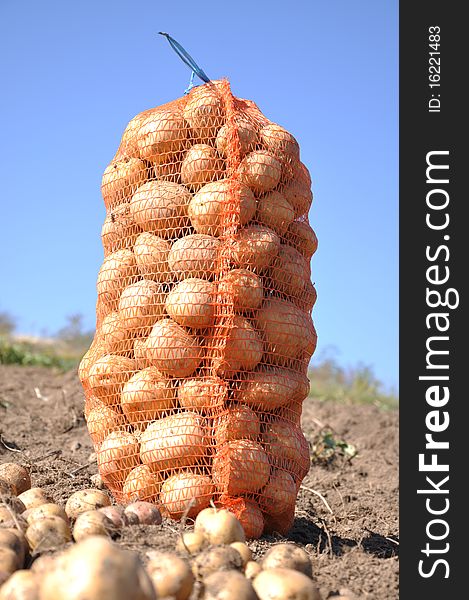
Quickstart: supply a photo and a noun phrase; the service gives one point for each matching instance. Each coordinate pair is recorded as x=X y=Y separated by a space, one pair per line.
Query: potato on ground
x=45 y=510
x=141 y=304
x=191 y=303
x=301 y=236
x=115 y=514
x=142 y=513
x=160 y=207
x=194 y=255
x=254 y=247
x=161 y=135
x=241 y=288
x=171 y=575
x=14 y=540
x=119 y=230
x=9 y=563
x=92 y=522
x=204 y=110
x=186 y=493
x=287 y=329
x=260 y=170
x=218 y=207
x=219 y=526
x=151 y=255
x=146 y=396
x=85 y=500
x=117 y=456
x=16 y=476
x=238 y=346
x=120 y=180
x=266 y=389
x=285 y=584
x=107 y=376
x=288 y=556
x=228 y=585
x=201 y=164
x=179 y=440
x=48 y=533
x=279 y=494
x=290 y=271
x=34 y=497
x=202 y=394
x=288 y=448
x=101 y=420
x=245 y=139
x=191 y=542
x=118 y=270
x=235 y=423
x=274 y=211
x=96 y=569
x=142 y=484
x=240 y=467
x=171 y=349
x=21 y=585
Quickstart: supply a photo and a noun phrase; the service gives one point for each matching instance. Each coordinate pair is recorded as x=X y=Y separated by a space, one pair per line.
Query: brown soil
x=351 y=535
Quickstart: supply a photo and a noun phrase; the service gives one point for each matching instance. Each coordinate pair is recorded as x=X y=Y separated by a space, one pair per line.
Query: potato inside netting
x=195 y=379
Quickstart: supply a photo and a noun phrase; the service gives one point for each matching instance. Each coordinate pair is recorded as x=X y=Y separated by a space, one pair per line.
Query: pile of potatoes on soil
x=212 y=561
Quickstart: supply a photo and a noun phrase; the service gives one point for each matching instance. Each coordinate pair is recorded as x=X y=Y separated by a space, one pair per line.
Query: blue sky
x=74 y=74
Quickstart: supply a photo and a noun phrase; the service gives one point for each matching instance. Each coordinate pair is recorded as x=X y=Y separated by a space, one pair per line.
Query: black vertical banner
x=433 y=253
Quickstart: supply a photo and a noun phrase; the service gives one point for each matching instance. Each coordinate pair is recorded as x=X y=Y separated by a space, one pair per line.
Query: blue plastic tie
x=188 y=60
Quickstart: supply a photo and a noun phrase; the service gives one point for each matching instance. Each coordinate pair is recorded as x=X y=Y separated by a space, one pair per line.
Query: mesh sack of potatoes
x=195 y=379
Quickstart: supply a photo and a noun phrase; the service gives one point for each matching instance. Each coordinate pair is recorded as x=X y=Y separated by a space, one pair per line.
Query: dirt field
x=351 y=532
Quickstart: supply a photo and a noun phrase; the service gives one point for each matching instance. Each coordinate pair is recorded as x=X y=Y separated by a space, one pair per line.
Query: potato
x=108 y=375
x=14 y=540
x=260 y=170
x=242 y=350
x=287 y=329
x=42 y=564
x=202 y=394
x=34 y=497
x=10 y=507
x=204 y=110
x=172 y=350
x=235 y=423
x=96 y=569
x=279 y=141
x=306 y=299
x=144 y=513
x=279 y=584
x=290 y=271
x=179 y=440
x=140 y=353
x=220 y=206
x=119 y=230
x=201 y=164
x=240 y=139
x=186 y=492
x=287 y=556
x=267 y=389
x=251 y=518
x=117 y=271
x=128 y=146
x=191 y=542
x=242 y=288
x=115 y=337
x=298 y=193
x=255 y=247
x=120 y=180
x=240 y=467
x=160 y=207
x=191 y=303
x=21 y=585
x=217 y=559
x=252 y=569
x=301 y=236
x=48 y=533
x=194 y=256
x=6 y=489
x=228 y=585
x=101 y=421
x=86 y=500
x=9 y=561
x=219 y=526
x=171 y=575
x=45 y=510
x=142 y=484
x=117 y=456
x=275 y=211
x=279 y=494
x=91 y=522
x=141 y=304
x=147 y=396
x=116 y=516
x=151 y=255
x=162 y=133
x=243 y=549
x=170 y=169
x=16 y=476
x=288 y=447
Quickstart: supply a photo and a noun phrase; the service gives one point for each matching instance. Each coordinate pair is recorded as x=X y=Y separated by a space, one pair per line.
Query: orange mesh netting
x=196 y=376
